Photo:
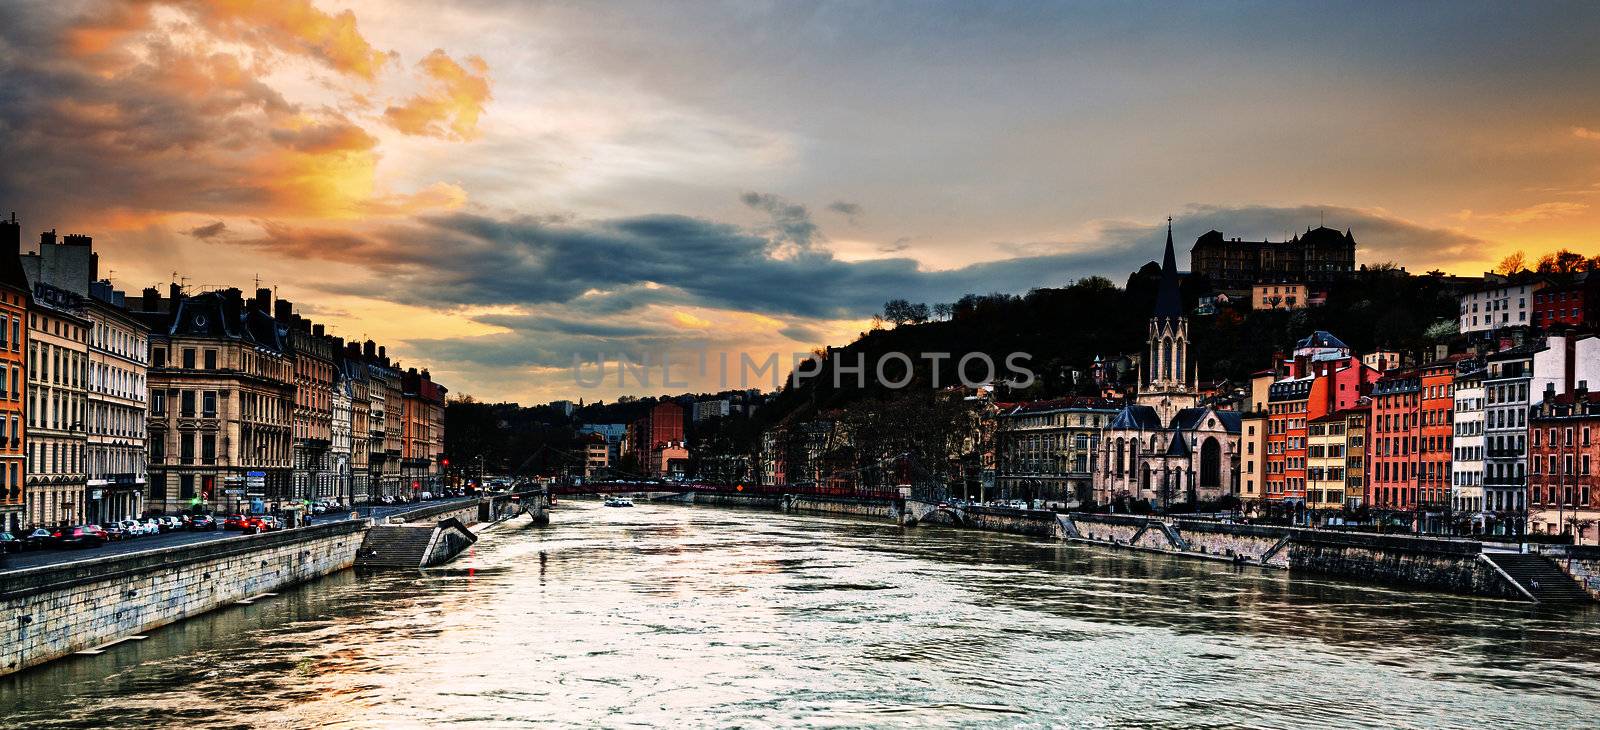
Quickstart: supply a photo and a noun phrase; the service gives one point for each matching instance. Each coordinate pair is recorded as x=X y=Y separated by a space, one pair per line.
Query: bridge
x=755 y=490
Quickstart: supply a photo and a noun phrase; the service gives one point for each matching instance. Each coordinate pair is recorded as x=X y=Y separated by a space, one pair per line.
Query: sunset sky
x=491 y=186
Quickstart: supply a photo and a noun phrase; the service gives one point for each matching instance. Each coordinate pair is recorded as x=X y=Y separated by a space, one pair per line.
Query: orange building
x=13 y=377
x=1392 y=464
x=1436 y=426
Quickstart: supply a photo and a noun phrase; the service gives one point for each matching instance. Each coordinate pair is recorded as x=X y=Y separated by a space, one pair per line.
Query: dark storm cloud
x=210 y=230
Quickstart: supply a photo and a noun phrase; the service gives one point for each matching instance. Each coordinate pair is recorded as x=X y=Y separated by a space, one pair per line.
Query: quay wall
x=842 y=506
x=1582 y=562
x=56 y=610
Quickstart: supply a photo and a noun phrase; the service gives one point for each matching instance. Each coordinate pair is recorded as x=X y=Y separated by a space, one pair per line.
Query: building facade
x=1506 y=386
x=119 y=358
x=1563 y=451
x=221 y=402
x=1396 y=413
x=1466 y=444
x=1499 y=304
x=1232 y=265
x=1045 y=450
x=14 y=294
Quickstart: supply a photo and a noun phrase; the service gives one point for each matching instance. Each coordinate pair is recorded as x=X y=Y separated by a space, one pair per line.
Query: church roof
x=1168 y=302
x=1178 y=445
x=1138 y=417
x=1321 y=338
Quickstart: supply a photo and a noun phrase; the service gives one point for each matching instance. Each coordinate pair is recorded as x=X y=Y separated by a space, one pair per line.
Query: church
x=1164 y=448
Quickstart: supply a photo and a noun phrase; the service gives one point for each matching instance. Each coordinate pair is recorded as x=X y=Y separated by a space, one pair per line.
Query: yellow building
x=1278 y=296
x=1325 y=462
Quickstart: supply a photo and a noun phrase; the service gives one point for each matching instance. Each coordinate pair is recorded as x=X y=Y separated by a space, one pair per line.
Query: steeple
x=1168 y=303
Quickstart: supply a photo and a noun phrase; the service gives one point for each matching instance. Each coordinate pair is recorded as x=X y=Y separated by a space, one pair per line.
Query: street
x=34 y=559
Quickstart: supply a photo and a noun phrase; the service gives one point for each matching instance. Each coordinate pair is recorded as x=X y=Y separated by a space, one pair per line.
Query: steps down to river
x=1540 y=577
x=413 y=546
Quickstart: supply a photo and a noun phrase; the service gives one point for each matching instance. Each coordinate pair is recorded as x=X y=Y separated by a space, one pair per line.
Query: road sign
x=233 y=492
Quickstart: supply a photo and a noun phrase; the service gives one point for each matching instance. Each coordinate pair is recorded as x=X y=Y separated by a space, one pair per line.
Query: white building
x=340 y=450
x=1466 y=442
x=1502 y=304
x=119 y=357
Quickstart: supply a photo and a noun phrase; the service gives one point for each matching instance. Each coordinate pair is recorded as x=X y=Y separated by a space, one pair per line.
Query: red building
x=1563 y=451
x=1436 y=425
x=1393 y=433
x=659 y=430
x=1569 y=304
x=1323 y=378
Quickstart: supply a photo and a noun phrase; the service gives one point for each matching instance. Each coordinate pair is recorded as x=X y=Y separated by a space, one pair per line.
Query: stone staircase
x=1540 y=577
x=395 y=546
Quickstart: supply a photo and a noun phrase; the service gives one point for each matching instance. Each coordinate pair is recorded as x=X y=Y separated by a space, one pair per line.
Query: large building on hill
x=1165 y=448
x=1233 y=265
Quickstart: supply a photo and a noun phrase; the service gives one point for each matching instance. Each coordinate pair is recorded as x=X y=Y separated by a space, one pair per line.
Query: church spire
x=1168 y=303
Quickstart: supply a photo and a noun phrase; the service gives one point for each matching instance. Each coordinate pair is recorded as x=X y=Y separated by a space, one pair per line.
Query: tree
x=1562 y=262
x=898 y=311
x=1512 y=263
x=919 y=313
x=1443 y=330
x=943 y=310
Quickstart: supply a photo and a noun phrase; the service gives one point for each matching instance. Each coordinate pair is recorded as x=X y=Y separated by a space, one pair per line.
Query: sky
x=493 y=188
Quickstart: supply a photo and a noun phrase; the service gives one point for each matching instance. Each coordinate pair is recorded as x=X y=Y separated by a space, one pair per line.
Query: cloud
x=451 y=106
x=850 y=211
x=1530 y=214
x=900 y=244
x=210 y=230
x=294 y=27
x=1585 y=133
x=791 y=222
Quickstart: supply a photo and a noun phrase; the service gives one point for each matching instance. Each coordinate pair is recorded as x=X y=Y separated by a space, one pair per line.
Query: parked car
x=134 y=528
x=203 y=523
x=40 y=539
x=169 y=523
x=152 y=527
x=114 y=531
x=82 y=536
x=235 y=522
x=10 y=543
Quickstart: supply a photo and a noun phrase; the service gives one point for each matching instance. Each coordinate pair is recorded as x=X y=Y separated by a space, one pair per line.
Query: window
x=158 y=357
x=158 y=403
x=208 y=403
x=186 y=486
x=208 y=449
x=187 y=407
x=186 y=448
x=211 y=359
x=188 y=358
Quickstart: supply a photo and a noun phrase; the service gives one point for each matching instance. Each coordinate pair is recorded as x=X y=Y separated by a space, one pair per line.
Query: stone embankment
x=1450 y=565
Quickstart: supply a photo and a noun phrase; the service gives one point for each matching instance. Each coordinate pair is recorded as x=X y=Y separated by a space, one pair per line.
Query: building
x=1506 y=386
x=1435 y=428
x=1328 y=461
x=1253 y=424
x=613 y=433
x=1466 y=444
x=422 y=459
x=1355 y=462
x=596 y=456
x=1164 y=448
x=385 y=424
x=1045 y=449
x=1499 y=303
x=1563 y=451
x=221 y=397
x=1278 y=295
x=1396 y=412
x=119 y=358
x=341 y=432
x=353 y=373
x=651 y=434
x=1232 y=265
x=14 y=293
x=312 y=352
x=1321 y=378
x=1569 y=304
x=58 y=355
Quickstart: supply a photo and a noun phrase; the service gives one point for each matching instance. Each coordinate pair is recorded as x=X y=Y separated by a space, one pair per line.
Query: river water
x=702 y=616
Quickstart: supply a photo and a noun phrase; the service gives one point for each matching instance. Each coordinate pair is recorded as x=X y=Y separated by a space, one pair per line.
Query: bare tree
x=1512 y=263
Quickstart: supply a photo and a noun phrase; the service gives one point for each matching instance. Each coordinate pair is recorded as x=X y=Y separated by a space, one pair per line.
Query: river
x=704 y=616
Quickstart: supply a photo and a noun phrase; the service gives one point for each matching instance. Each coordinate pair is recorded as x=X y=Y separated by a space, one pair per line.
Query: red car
x=247 y=524
x=81 y=536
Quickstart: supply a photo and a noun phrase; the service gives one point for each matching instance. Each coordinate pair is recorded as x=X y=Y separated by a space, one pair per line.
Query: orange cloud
x=1585 y=133
x=1530 y=214
x=296 y=27
x=451 y=107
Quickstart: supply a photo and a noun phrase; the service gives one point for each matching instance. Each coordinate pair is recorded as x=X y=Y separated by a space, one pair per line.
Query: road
x=35 y=559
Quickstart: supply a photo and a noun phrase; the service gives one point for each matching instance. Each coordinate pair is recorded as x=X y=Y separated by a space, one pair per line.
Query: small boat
x=618 y=502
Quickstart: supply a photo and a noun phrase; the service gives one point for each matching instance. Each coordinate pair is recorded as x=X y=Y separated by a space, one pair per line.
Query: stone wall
x=1033 y=523
x=842 y=506
x=1109 y=529
x=54 y=611
x=736 y=500
x=1454 y=566
x=1249 y=542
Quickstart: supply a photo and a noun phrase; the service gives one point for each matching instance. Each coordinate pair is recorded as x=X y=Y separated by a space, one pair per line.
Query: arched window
x=1122 y=465
x=1144 y=477
x=1166 y=359
x=1211 y=463
x=1177 y=362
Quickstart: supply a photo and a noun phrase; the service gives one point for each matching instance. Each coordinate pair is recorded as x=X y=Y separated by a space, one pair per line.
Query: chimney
x=47 y=238
x=282 y=309
x=264 y=301
x=369 y=349
x=11 y=237
x=152 y=299
x=232 y=304
x=317 y=330
x=381 y=352
x=175 y=292
x=1579 y=395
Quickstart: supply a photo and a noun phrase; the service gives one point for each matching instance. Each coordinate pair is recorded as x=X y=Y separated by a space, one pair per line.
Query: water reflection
x=668 y=615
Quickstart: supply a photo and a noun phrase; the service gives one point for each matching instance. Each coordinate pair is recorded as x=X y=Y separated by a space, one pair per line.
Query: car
x=134 y=528
x=152 y=527
x=235 y=522
x=10 y=543
x=168 y=523
x=203 y=522
x=114 y=531
x=425 y=495
x=82 y=536
x=40 y=539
